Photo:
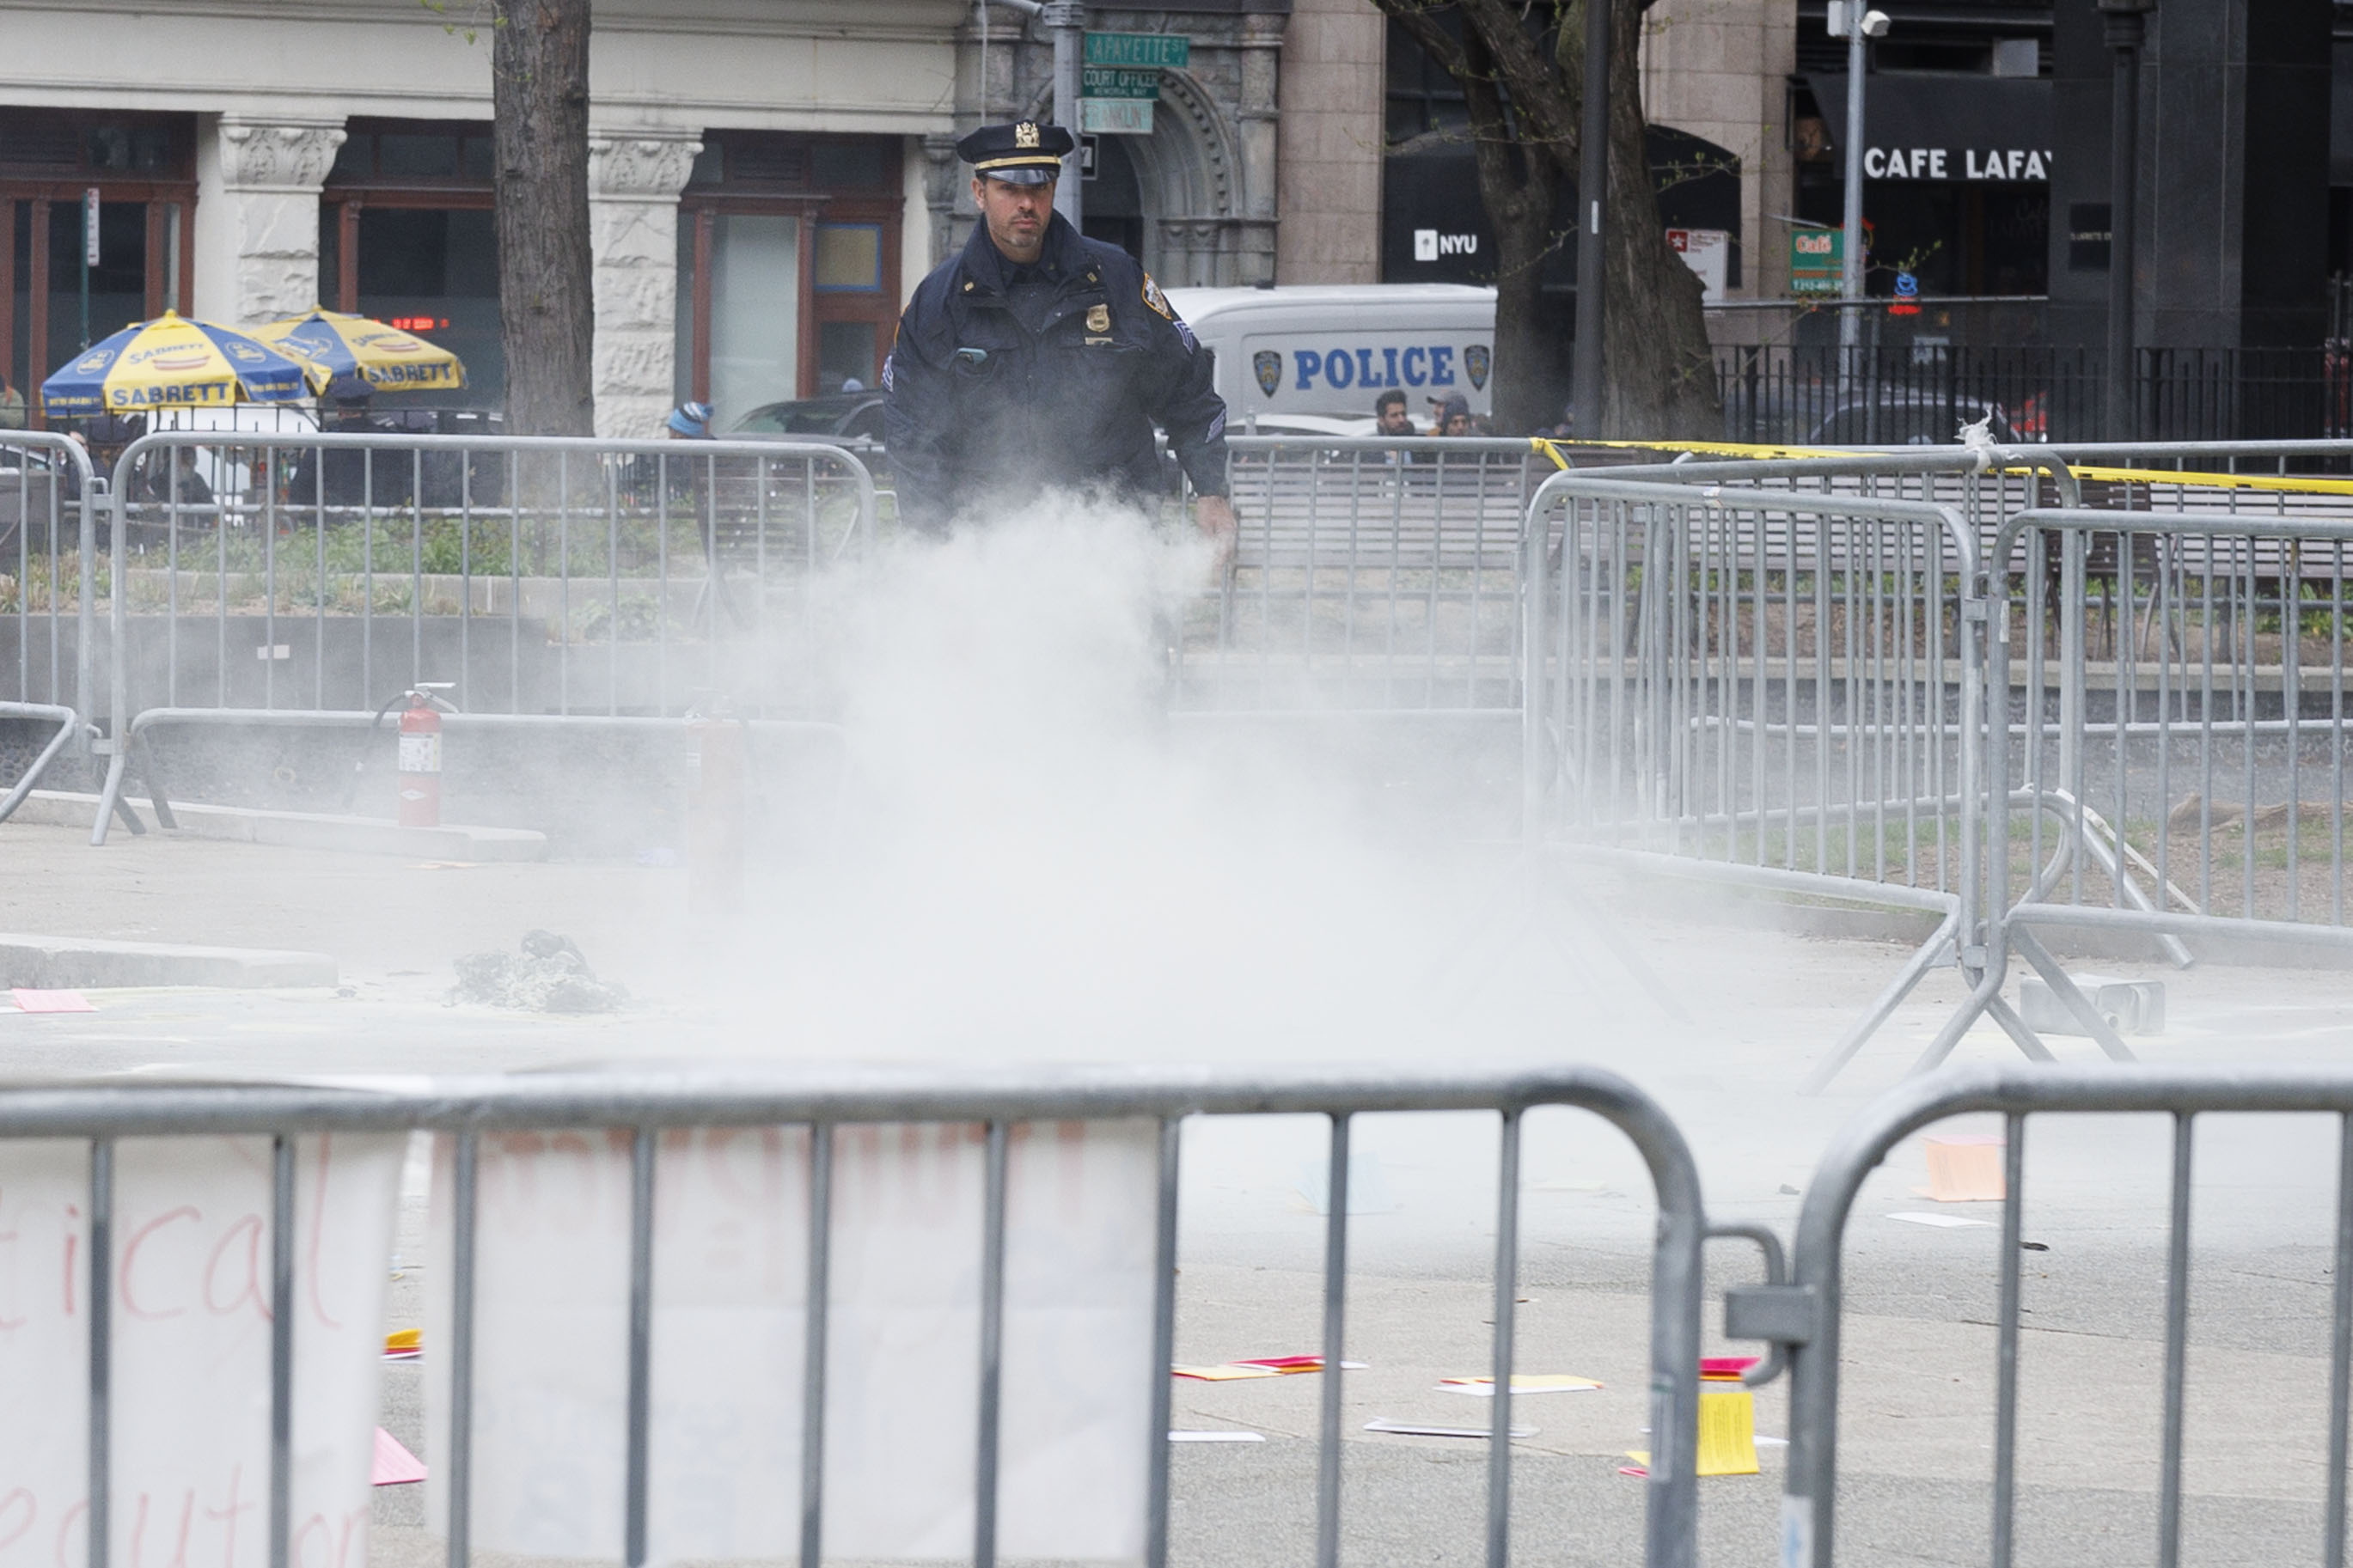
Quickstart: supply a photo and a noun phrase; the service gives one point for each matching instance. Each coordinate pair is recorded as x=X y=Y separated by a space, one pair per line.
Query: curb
x=306 y=830
x=93 y=964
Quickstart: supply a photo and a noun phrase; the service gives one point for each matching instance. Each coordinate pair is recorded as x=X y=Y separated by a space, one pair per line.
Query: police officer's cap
x=1026 y=154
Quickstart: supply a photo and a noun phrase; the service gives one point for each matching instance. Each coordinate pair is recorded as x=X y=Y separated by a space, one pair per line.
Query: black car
x=1907 y=416
x=842 y=416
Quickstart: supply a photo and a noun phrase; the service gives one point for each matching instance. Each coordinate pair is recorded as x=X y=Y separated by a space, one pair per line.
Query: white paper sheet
x=730 y=1256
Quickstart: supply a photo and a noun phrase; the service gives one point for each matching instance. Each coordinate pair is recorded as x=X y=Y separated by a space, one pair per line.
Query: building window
x=788 y=261
x=143 y=168
x=406 y=234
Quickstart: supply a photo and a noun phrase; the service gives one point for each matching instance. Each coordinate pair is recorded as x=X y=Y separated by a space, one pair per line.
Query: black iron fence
x=1921 y=394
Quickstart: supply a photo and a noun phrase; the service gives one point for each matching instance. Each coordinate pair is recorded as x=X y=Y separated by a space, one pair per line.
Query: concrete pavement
x=1759 y=1005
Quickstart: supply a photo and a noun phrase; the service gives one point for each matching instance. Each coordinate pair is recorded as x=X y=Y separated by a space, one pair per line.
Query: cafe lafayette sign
x=1959 y=129
x=2006 y=163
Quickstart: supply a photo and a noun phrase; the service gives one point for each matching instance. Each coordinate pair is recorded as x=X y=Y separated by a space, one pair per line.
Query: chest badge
x=1099 y=318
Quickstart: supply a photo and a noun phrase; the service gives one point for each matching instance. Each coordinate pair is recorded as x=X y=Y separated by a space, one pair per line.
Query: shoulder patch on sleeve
x=1158 y=302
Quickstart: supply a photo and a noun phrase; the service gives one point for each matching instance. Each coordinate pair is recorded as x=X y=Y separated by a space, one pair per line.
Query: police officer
x=1040 y=358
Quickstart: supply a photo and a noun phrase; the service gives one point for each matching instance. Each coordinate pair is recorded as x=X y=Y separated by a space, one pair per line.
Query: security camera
x=1841 y=19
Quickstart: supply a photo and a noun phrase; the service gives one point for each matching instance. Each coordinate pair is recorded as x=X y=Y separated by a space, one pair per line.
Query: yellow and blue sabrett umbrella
x=172 y=362
x=386 y=358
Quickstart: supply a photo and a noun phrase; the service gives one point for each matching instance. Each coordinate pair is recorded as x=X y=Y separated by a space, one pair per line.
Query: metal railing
x=637 y=1109
x=2182 y=722
x=1773 y=687
x=50 y=506
x=609 y=582
x=1803 y=1317
x=1894 y=394
x=1367 y=575
x=2154 y=657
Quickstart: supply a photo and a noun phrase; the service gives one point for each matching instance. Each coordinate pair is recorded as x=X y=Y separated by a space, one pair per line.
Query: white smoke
x=1032 y=860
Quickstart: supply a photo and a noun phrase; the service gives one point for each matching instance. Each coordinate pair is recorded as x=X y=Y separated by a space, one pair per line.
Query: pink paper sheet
x=395 y=1465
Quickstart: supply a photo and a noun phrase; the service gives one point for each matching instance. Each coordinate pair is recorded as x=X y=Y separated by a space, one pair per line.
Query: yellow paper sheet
x=1526 y=1382
x=1226 y=1374
x=1728 y=1433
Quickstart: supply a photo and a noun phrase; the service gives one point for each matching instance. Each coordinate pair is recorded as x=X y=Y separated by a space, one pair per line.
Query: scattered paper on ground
x=1522 y=1382
x=395 y=1465
x=1728 y=1433
x=1261 y=1366
x=1416 y=1429
x=1728 y=1437
x=1941 y=1221
x=30 y=1001
x=1216 y=1436
x=1965 y=1168
x=404 y=1344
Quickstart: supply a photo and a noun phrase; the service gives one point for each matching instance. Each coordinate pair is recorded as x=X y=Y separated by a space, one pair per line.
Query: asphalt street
x=1729 y=1022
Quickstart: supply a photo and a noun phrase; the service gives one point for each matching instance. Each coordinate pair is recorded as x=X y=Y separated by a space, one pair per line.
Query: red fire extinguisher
x=419 y=785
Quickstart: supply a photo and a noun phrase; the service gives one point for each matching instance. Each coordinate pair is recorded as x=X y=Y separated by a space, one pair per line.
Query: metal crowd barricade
x=1369 y=575
x=1802 y=1317
x=642 y=1105
x=1777 y=688
x=256 y=576
x=49 y=503
x=2182 y=736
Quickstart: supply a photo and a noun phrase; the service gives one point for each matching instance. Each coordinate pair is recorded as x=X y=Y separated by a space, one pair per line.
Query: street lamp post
x=1850 y=21
x=2127 y=25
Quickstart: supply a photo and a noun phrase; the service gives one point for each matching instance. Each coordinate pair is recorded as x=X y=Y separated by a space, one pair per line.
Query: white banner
x=730 y=1286
x=190 y=1402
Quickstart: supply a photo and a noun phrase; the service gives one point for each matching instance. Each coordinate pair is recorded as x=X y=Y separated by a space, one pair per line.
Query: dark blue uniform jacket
x=1006 y=381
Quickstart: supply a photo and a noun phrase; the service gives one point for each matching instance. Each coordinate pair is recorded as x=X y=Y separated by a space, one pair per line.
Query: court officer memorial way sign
x=1120 y=78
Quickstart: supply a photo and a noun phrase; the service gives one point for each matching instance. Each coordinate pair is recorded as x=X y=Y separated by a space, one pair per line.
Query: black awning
x=1968 y=128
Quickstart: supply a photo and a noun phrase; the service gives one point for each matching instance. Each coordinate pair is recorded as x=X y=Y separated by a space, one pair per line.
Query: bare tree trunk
x=1517 y=185
x=1658 y=371
x=539 y=63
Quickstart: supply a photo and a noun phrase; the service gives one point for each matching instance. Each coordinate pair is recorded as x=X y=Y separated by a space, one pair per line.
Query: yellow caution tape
x=2290 y=484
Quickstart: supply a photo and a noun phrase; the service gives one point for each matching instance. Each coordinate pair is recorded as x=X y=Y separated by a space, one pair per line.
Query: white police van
x=1329 y=350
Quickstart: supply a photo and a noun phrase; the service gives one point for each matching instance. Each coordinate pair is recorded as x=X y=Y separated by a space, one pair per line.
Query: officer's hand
x=1215 y=516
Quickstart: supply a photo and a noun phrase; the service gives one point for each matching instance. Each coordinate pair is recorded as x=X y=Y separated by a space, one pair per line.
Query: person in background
x=1391 y=420
x=12 y=405
x=1452 y=415
x=689 y=422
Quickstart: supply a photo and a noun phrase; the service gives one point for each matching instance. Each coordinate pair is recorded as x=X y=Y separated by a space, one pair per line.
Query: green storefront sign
x=1118 y=82
x=1138 y=51
x=1817 y=260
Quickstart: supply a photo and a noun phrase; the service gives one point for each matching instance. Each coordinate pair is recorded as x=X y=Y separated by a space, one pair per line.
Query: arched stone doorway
x=1186 y=200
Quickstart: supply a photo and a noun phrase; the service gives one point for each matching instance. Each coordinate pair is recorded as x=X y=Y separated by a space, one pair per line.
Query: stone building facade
x=1197 y=199
x=768 y=177
x=361 y=180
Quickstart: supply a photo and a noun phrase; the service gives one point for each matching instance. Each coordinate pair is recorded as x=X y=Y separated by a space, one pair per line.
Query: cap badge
x=1025 y=135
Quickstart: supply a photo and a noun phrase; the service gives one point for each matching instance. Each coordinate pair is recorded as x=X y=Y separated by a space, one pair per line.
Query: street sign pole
x=1592 y=182
x=2127 y=27
x=89 y=254
x=1068 y=19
